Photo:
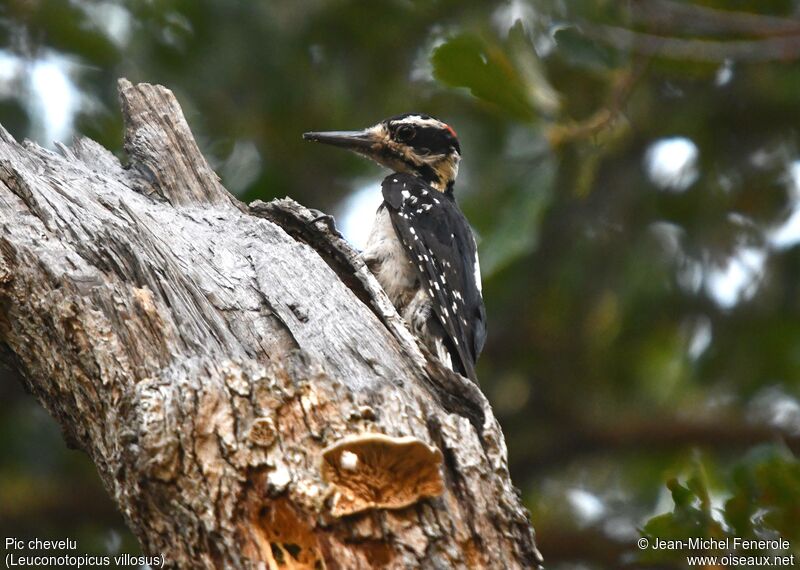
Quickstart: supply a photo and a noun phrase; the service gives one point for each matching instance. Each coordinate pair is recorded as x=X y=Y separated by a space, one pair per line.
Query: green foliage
x=765 y=504
x=468 y=61
x=620 y=341
x=766 y=495
x=692 y=517
x=515 y=233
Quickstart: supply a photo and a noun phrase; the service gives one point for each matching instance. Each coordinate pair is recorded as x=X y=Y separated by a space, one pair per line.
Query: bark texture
x=248 y=393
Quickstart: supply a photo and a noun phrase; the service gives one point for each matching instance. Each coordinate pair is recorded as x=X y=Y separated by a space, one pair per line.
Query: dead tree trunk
x=245 y=388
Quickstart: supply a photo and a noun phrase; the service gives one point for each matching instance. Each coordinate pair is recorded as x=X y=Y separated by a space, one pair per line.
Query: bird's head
x=414 y=143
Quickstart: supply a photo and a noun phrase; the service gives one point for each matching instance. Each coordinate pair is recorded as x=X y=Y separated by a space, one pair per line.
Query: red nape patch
x=452 y=132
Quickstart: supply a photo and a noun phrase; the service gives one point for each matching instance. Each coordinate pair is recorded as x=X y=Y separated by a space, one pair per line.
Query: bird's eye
x=405 y=133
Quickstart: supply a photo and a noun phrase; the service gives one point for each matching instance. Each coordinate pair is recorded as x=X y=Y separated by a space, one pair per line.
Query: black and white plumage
x=441 y=248
x=421 y=247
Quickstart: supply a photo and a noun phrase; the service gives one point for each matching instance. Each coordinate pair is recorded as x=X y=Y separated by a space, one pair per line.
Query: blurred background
x=632 y=170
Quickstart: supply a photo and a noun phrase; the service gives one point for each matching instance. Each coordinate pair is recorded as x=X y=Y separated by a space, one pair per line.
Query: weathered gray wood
x=216 y=361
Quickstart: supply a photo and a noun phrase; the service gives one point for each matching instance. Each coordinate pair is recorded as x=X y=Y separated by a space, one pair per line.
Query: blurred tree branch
x=783 y=49
x=686 y=18
x=644 y=435
x=604 y=119
x=243 y=385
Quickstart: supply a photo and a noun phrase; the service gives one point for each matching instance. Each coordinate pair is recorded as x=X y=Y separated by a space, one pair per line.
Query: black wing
x=442 y=248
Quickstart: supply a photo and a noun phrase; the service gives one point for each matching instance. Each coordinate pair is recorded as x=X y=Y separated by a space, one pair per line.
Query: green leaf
x=682 y=496
x=469 y=61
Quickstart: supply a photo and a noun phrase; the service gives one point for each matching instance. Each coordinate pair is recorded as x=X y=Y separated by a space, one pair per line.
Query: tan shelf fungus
x=377 y=471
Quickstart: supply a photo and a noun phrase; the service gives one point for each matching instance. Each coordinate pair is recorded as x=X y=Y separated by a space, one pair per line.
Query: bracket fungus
x=377 y=471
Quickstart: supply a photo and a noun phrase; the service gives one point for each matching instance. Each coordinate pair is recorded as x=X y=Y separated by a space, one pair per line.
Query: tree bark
x=246 y=389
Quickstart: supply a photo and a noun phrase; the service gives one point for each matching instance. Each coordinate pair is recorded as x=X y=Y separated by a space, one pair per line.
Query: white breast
x=389 y=262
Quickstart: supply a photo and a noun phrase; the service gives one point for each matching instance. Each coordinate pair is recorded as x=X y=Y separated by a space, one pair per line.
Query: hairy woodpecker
x=421 y=247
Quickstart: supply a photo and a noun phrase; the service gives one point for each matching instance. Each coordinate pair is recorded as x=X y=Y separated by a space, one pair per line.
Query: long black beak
x=359 y=141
